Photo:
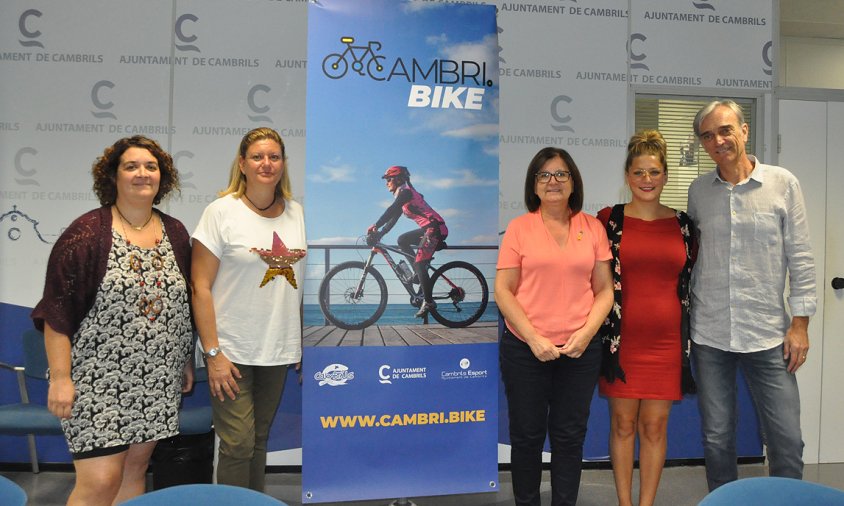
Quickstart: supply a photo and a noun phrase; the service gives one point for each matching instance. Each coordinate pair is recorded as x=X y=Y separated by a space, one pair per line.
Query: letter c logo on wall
x=186 y=40
x=636 y=57
x=768 y=67
x=184 y=176
x=27 y=179
x=259 y=110
x=99 y=104
x=561 y=119
x=26 y=32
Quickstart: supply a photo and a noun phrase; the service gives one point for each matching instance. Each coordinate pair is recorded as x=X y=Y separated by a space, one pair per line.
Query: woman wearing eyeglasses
x=646 y=364
x=554 y=288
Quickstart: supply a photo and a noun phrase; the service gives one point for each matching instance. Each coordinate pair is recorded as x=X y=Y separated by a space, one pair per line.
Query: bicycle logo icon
x=363 y=58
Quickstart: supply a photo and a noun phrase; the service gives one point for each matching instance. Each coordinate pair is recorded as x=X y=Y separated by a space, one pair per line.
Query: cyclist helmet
x=397 y=171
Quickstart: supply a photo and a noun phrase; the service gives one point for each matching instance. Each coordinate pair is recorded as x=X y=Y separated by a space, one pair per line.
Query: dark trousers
x=550 y=398
x=406 y=242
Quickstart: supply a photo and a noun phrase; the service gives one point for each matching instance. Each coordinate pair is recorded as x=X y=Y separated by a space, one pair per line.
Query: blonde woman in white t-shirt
x=247 y=274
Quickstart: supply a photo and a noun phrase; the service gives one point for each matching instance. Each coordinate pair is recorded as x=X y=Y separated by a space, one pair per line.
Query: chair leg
x=33 y=455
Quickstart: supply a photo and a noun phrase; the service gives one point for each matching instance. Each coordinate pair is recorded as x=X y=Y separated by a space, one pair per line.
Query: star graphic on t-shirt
x=279 y=259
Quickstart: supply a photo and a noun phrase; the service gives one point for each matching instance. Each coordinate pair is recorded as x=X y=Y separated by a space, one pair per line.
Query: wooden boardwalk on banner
x=401 y=335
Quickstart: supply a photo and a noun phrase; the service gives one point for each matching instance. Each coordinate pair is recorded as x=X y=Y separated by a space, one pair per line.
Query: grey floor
x=680 y=486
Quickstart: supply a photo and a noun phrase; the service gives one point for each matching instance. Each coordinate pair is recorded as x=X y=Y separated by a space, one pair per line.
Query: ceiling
x=812 y=18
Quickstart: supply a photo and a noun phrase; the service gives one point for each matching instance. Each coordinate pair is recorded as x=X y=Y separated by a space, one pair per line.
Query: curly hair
x=104 y=169
x=237 y=181
x=539 y=160
x=647 y=142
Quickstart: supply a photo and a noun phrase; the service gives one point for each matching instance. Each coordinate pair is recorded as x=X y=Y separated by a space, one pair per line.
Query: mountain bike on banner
x=353 y=295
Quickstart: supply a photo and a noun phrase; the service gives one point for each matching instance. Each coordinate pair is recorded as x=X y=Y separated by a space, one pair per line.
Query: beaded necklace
x=150 y=304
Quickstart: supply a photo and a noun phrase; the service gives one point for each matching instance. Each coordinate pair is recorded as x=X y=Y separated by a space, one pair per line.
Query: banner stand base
x=403 y=502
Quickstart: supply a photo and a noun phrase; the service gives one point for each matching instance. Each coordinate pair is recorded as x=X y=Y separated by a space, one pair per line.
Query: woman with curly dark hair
x=117 y=327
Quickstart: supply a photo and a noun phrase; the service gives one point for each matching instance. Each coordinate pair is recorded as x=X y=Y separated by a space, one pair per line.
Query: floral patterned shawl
x=611 y=329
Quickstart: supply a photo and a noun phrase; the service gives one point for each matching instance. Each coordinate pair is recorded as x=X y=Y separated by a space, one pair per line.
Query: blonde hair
x=647 y=142
x=237 y=181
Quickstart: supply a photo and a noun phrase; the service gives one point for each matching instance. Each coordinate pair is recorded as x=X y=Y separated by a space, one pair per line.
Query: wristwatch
x=213 y=352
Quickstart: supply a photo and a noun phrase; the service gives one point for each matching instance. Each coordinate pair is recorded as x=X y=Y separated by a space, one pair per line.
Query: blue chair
x=11 y=494
x=197 y=419
x=773 y=491
x=25 y=418
x=203 y=494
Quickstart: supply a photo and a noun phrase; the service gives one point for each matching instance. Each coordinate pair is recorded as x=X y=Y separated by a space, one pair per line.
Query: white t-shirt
x=255 y=325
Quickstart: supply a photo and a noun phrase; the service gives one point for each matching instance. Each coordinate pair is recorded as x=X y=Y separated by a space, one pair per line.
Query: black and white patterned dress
x=128 y=355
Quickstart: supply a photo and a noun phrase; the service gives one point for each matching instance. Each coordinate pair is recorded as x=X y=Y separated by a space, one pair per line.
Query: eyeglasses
x=641 y=174
x=561 y=176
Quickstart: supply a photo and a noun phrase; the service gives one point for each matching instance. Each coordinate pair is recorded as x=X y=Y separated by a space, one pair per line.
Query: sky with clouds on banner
x=359 y=125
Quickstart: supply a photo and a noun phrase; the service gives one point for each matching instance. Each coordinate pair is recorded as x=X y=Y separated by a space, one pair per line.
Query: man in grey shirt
x=751 y=223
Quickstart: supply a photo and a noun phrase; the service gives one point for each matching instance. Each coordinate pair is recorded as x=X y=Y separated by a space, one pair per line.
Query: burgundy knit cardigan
x=78 y=264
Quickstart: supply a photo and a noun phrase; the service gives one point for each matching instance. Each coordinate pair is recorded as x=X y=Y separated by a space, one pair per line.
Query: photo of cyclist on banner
x=430 y=236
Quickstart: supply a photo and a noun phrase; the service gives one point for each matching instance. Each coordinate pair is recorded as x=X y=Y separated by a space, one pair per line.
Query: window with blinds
x=673 y=117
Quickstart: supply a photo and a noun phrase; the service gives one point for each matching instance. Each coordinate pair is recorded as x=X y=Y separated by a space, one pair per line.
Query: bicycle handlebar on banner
x=372 y=238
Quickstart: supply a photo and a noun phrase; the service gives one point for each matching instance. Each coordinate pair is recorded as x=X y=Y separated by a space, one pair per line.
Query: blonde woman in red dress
x=645 y=361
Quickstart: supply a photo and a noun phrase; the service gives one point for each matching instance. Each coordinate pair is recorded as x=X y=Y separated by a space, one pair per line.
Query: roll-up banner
x=402 y=118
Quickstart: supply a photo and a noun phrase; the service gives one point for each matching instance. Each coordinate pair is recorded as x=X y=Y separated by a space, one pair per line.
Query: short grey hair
x=708 y=108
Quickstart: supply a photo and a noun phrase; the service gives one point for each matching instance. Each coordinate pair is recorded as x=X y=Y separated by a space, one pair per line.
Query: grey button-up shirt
x=750 y=235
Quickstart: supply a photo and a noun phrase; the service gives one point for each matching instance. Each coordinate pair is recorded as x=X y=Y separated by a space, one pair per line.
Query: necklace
x=130 y=223
x=150 y=304
x=253 y=204
x=126 y=236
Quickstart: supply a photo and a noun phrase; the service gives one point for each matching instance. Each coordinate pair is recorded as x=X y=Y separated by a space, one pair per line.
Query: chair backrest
x=11 y=494
x=773 y=491
x=34 y=354
x=200 y=375
x=195 y=415
x=201 y=493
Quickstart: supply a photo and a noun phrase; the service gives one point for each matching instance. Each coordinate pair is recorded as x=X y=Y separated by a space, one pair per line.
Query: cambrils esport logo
x=457 y=84
x=464 y=372
x=334 y=375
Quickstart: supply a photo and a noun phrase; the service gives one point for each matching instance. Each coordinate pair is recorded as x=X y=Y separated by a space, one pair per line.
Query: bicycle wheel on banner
x=461 y=294
x=343 y=304
x=335 y=66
